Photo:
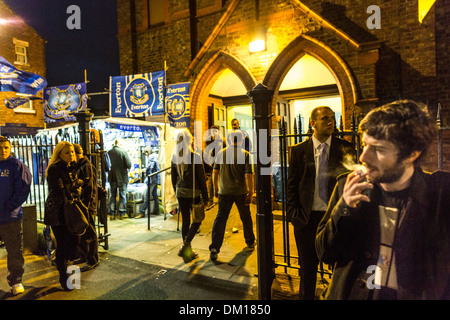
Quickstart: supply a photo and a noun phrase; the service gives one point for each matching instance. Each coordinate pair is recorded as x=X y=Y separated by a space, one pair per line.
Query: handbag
x=198 y=210
x=75 y=213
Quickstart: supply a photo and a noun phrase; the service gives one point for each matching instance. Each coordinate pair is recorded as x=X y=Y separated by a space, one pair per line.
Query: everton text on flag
x=137 y=95
x=12 y=79
x=178 y=106
x=61 y=102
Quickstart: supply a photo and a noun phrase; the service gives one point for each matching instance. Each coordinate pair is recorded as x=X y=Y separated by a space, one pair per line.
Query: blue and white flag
x=178 y=105
x=12 y=79
x=137 y=95
x=62 y=102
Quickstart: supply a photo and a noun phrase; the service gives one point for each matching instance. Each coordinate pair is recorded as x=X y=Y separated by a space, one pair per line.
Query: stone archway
x=206 y=78
x=329 y=58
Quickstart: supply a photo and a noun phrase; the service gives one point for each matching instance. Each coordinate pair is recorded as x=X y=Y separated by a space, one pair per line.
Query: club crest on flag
x=60 y=103
x=137 y=95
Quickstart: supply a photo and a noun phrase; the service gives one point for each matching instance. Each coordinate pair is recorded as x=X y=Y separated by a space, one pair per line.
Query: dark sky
x=68 y=52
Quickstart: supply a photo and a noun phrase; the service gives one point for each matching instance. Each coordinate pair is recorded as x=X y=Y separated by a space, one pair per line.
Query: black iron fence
x=35 y=152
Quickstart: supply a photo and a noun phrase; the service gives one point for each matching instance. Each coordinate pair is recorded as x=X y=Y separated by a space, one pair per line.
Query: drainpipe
x=84 y=118
x=261 y=98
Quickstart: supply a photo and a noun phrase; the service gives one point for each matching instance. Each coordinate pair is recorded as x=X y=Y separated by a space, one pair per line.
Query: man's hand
x=354 y=185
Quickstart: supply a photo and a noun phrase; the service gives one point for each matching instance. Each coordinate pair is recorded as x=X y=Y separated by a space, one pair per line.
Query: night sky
x=68 y=52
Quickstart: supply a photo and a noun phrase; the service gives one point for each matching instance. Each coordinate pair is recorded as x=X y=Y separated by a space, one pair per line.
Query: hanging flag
x=178 y=105
x=61 y=102
x=137 y=95
x=12 y=79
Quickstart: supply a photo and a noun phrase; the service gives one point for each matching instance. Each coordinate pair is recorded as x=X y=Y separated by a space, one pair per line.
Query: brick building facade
x=198 y=39
x=22 y=46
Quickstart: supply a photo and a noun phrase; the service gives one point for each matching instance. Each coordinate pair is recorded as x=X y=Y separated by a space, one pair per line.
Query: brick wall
x=21 y=122
x=404 y=59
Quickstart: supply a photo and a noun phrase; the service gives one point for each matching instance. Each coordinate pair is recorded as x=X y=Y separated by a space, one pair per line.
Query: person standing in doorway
x=118 y=179
x=233 y=183
x=15 y=181
x=236 y=126
x=313 y=169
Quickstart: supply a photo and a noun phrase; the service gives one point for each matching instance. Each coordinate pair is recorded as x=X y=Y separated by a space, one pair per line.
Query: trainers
x=139 y=216
x=213 y=254
x=17 y=289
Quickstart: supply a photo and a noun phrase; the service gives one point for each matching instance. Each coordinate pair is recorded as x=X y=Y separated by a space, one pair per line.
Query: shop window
x=21 y=52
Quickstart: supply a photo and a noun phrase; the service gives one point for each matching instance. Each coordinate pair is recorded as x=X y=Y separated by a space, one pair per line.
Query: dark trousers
x=66 y=247
x=220 y=223
x=89 y=242
x=307 y=256
x=188 y=229
x=11 y=233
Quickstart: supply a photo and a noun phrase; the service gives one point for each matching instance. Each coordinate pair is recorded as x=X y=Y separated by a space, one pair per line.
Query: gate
x=35 y=152
x=285 y=250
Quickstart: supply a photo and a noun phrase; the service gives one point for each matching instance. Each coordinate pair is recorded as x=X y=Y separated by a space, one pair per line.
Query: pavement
x=143 y=264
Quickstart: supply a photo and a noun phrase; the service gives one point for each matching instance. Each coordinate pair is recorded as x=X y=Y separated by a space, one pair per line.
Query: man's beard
x=391 y=174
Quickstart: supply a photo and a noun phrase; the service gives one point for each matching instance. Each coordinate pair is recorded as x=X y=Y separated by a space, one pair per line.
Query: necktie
x=323 y=166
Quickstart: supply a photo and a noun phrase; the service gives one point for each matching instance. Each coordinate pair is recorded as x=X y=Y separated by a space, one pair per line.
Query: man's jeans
x=122 y=208
x=225 y=204
x=11 y=234
x=154 y=198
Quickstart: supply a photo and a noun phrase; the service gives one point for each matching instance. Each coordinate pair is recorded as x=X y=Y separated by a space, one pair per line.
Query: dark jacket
x=88 y=174
x=302 y=175
x=349 y=239
x=15 y=181
x=58 y=173
x=182 y=179
x=120 y=163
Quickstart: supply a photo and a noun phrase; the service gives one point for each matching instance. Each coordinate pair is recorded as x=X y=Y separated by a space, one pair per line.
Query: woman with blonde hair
x=61 y=179
x=183 y=161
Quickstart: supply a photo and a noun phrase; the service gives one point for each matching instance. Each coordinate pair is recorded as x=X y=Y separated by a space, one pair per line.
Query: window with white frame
x=21 y=51
x=27 y=107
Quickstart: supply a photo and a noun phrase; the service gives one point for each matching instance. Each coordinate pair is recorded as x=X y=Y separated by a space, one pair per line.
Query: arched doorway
x=219 y=92
x=315 y=51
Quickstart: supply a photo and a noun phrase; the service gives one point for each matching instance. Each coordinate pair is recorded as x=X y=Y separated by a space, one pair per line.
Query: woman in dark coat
x=183 y=183
x=60 y=174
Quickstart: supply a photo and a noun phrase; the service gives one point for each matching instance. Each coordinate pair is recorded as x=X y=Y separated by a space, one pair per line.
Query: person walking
x=185 y=163
x=118 y=179
x=387 y=226
x=15 y=181
x=313 y=168
x=86 y=172
x=233 y=184
x=62 y=183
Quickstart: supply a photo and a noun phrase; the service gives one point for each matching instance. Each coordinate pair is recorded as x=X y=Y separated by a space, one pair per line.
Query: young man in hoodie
x=15 y=180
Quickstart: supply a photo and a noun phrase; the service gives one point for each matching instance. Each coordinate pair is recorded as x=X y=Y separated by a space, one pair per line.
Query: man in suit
x=118 y=179
x=313 y=169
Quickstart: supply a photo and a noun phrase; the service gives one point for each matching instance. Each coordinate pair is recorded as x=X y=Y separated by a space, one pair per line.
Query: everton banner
x=60 y=103
x=137 y=95
x=12 y=79
x=178 y=106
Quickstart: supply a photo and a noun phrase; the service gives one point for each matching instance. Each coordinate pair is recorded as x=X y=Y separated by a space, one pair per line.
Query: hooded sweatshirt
x=15 y=181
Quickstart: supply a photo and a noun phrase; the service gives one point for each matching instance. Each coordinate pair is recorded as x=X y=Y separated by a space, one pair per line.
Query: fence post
x=261 y=98
x=84 y=118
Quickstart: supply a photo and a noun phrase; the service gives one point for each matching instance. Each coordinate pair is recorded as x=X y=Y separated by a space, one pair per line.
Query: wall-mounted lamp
x=257 y=41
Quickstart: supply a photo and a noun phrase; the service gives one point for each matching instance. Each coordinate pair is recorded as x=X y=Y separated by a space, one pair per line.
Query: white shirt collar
x=317 y=143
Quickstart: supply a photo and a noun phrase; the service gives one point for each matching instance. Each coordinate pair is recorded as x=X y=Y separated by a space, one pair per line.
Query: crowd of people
x=383 y=227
